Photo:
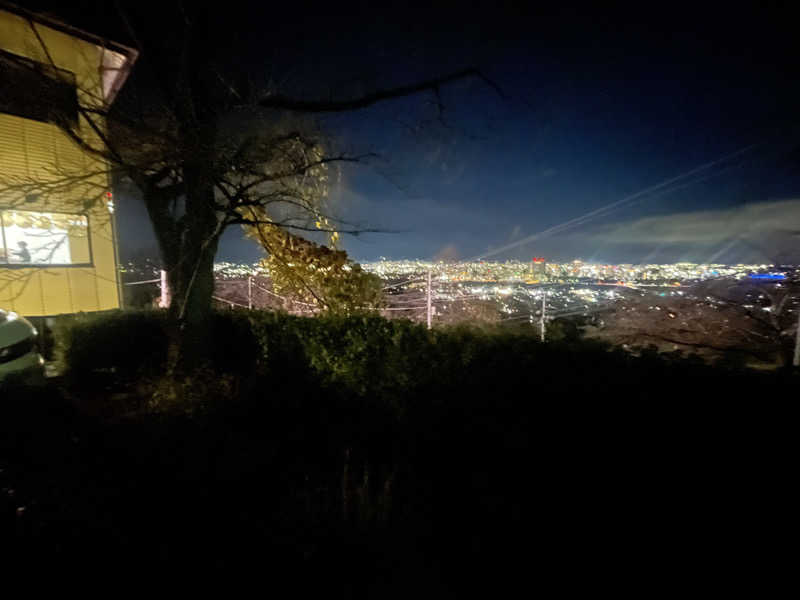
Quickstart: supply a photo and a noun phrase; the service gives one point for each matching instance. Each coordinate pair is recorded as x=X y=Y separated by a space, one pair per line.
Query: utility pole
x=250 y=293
x=544 y=307
x=165 y=295
x=796 y=360
x=429 y=299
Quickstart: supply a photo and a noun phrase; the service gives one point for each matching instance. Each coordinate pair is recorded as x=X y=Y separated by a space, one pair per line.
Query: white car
x=20 y=360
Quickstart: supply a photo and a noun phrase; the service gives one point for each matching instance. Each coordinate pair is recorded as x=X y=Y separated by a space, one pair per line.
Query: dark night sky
x=599 y=104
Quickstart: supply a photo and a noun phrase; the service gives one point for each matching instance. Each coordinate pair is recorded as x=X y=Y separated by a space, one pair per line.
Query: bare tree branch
x=282 y=102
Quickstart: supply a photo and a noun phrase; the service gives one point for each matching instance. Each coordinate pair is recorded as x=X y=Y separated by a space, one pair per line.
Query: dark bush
x=129 y=343
x=384 y=367
x=370 y=357
x=135 y=343
x=233 y=347
x=282 y=352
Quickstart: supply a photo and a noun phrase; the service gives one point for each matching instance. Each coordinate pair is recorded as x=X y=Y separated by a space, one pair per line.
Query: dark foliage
x=375 y=458
x=129 y=343
x=133 y=344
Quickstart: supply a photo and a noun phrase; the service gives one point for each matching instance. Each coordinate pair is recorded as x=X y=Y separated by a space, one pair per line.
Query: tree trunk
x=191 y=306
x=188 y=245
x=189 y=238
x=192 y=279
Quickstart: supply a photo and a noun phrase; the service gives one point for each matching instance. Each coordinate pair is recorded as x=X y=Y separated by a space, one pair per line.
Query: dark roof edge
x=70 y=30
x=130 y=54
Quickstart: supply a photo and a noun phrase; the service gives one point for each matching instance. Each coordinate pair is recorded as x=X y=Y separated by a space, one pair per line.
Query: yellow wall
x=36 y=151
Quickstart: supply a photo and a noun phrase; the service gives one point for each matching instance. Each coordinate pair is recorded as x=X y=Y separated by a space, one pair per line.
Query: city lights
x=573 y=288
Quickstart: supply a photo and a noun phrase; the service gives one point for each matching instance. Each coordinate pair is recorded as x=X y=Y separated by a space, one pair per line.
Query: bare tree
x=206 y=150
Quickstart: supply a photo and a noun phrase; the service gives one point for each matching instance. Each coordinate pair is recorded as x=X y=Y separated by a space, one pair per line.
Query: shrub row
x=391 y=362
x=366 y=354
x=362 y=356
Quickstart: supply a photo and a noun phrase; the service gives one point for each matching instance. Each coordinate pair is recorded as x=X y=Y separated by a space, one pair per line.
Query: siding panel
x=31 y=149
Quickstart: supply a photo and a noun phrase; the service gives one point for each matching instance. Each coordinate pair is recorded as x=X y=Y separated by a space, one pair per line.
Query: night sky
x=597 y=104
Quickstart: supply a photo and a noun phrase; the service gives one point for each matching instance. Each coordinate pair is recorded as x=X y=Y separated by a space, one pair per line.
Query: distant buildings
x=538 y=269
x=545 y=272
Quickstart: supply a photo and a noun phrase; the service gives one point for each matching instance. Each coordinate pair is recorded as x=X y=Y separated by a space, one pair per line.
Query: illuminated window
x=39 y=238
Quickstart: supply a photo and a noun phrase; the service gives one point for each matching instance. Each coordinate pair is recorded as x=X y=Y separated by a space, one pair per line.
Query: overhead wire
x=580 y=220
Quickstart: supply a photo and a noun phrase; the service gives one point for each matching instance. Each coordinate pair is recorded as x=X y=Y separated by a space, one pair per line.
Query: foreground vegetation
x=362 y=456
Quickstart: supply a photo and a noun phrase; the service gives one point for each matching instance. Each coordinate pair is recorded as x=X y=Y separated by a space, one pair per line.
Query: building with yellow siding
x=58 y=248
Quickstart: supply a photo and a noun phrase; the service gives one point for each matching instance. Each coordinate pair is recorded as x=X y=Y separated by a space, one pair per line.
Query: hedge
x=393 y=363
x=129 y=343
x=364 y=356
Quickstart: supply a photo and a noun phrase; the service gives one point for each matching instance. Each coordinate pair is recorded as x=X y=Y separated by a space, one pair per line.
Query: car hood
x=13 y=329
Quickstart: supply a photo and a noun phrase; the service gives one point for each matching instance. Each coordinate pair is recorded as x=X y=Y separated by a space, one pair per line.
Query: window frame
x=10 y=265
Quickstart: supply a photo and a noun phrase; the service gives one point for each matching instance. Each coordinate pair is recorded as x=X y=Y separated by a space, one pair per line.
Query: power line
x=604 y=209
x=403 y=283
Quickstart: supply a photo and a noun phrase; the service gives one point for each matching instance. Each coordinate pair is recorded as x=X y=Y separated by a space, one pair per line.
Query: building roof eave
x=129 y=54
